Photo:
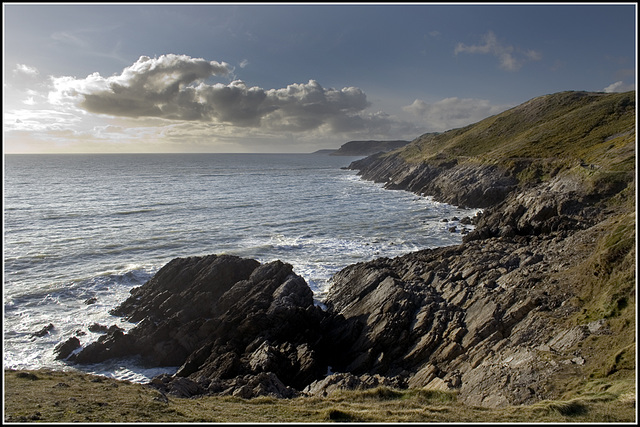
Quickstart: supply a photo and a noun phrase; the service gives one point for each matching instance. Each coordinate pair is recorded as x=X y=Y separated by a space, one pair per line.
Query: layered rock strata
x=222 y=318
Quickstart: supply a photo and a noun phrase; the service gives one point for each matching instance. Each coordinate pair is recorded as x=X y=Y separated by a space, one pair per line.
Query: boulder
x=347 y=381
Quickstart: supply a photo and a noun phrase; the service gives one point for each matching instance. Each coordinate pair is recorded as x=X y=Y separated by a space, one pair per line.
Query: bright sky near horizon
x=233 y=77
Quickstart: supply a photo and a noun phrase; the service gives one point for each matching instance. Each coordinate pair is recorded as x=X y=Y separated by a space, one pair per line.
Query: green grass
x=54 y=396
x=542 y=136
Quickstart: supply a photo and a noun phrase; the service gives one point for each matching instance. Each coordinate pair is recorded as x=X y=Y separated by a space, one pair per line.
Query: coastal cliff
x=538 y=302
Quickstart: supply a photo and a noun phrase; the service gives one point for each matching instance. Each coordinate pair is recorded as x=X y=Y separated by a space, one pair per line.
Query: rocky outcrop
x=347 y=381
x=222 y=318
x=473 y=318
x=475 y=186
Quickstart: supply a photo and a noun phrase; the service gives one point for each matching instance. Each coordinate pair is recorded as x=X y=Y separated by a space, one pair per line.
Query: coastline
x=535 y=305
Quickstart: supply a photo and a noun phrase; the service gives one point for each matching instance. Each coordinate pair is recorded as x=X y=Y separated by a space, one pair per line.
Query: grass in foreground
x=53 y=396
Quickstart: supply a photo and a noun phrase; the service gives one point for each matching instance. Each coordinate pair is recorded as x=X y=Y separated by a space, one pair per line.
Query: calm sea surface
x=81 y=230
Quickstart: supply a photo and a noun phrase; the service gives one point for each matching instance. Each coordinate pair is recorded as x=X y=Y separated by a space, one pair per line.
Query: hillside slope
x=589 y=135
x=542 y=293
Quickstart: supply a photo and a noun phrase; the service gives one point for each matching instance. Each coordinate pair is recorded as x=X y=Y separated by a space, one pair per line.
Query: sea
x=80 y=231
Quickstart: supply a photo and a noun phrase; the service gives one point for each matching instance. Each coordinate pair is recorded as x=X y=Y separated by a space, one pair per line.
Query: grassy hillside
x=45 y=396
x=589 y=138
x=544 y=136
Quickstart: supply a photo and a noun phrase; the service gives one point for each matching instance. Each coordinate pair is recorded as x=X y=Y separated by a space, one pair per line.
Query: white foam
x=73 y=245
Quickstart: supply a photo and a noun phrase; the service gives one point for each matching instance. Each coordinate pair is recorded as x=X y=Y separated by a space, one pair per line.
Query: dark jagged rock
x=96 y=327
x=46 y=330
x=220 y=318
x=64 y=349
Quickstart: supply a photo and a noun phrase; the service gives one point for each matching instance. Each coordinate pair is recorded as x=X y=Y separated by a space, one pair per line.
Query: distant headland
x=364 y=148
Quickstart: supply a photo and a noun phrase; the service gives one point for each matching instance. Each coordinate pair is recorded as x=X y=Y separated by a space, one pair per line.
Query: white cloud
x=450 y=113
x=69 y=38
x=40 y=120
x=511 y=58
x=26 y=70
x=175 y=101
x=619 y=86
x=244 y=63
x=173 y=87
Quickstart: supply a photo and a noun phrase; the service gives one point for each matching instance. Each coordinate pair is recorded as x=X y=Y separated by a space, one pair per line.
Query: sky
x=274 y=78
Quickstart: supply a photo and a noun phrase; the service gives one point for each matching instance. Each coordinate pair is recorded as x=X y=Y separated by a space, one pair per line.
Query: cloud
x=155 y=87
x=511 y=58
x=38 y=120
x=175 y=101
x=174 y=87
x=25 y=70
x=69 y=38
x=619 y=86
x=450 y=113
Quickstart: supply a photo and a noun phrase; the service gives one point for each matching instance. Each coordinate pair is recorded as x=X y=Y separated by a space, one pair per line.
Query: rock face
x=446 y=181
x=472 y=318
x=222 y=318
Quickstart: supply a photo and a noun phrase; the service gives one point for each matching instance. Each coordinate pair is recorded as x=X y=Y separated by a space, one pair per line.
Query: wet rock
x=64 y=349
x=96 y=327
x=44 y=331
x=221 y=317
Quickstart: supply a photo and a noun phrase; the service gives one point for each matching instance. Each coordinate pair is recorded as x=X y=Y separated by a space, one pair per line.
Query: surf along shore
x=535 y=308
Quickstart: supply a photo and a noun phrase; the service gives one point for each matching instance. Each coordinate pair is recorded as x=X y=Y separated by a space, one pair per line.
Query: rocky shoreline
x=501 y=319
x=476 y=318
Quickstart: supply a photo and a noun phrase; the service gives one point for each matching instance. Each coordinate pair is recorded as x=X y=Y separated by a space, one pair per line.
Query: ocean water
x=80 y=231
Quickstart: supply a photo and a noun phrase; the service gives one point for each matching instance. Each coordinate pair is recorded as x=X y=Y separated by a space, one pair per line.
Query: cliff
x=537 y=303
x=539 y=300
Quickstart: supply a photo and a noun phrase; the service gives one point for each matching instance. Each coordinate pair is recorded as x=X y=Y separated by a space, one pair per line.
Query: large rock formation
x=445 y=180
x=477 y=318
x=504 y=318
x=222 y=318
